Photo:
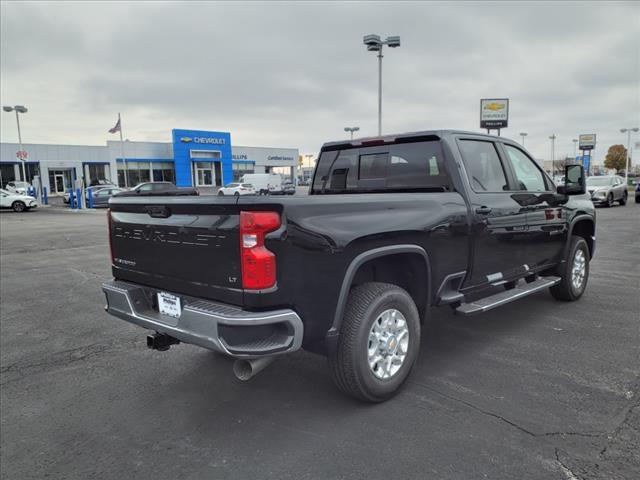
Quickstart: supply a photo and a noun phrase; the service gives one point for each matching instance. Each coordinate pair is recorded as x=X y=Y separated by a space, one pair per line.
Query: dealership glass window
x=163 y=172
x=60 y=180
x=206 y=154
x=96 y=172
x=204 y=174
x=31 y=170
x=242 y=168
x=7 y=174
x=137 y=172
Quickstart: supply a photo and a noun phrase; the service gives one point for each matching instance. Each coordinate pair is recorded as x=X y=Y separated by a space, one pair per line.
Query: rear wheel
x=236 y=194
x=378 y=344
x=623 y=200
x=574 y=273
x=221 y=193
x=18 y=206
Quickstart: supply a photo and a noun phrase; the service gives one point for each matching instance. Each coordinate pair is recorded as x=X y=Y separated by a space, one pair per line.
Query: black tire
x=236 y=194
x=18 y=206
x=623 y=200
x=221 y=194
x=637 y=199
x=350 y=362
x=566 y=290
x=609 y=202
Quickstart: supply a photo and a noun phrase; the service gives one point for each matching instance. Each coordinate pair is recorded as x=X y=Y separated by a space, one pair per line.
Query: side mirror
x=575 y=182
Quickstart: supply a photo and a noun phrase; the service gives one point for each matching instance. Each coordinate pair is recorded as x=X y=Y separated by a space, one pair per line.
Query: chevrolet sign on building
x=494 y=113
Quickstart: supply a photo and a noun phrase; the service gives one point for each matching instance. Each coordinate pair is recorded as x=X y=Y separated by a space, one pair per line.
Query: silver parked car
x=606 y=190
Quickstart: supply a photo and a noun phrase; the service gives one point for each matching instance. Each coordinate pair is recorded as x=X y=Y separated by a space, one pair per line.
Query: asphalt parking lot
x=536 y=390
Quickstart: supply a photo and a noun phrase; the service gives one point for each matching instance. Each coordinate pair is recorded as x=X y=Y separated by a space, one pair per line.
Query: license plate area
x=169 y=305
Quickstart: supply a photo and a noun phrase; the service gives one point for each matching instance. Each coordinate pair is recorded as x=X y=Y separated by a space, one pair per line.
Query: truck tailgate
x=186 y=245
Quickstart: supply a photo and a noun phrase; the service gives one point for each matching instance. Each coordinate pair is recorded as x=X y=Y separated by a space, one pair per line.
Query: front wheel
x=18 y=206
x=609 y=203
x=378 y=344
x=623 y=200
x=574 y=272
x=221 y=194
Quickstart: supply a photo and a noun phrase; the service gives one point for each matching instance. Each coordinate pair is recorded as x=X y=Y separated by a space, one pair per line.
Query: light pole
x=575 y=145
x=553 y=152
x=628 y=159
x=375 y=44
x=523 y=134
x=19 y=109
x=351 y=130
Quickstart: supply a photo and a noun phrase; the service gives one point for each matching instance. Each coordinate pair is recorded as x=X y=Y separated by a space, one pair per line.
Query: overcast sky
x=294 y=75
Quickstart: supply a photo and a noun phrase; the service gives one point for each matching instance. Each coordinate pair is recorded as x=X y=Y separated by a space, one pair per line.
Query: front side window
x=483 y=166
x=528 y=176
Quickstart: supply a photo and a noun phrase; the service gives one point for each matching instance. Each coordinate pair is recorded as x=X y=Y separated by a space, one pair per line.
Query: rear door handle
x=483 y=210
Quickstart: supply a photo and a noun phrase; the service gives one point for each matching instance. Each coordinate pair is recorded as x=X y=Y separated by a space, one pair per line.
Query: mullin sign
x=494 y=113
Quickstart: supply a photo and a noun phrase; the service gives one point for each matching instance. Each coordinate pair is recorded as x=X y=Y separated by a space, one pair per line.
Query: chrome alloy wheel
x=578 y=270
x=388 y=343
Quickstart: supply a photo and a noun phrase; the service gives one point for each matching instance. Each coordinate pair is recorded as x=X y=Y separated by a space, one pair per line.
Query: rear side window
x=417 y=166
x=483 y=166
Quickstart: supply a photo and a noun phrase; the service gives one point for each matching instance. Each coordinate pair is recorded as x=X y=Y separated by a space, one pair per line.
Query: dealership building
x=194 y=158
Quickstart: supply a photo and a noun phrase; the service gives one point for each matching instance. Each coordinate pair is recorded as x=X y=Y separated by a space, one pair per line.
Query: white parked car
x=16 y=201
x=237 y=189
x=18 y=187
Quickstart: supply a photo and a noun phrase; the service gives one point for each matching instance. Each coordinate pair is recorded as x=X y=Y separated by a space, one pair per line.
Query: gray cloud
x=294 y=74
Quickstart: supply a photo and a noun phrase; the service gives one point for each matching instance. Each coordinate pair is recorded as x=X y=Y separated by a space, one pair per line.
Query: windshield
x=599 y=181
x=21 y=184
x=233 y=185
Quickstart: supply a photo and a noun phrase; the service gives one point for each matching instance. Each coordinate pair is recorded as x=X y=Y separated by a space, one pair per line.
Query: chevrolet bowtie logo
x=186 y=139
x=494 y=106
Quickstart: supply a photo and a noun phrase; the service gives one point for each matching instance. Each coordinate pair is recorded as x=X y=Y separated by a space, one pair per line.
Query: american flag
x=116 y=127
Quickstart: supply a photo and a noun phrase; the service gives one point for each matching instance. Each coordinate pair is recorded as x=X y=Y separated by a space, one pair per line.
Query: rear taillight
x=258 y=263
x=110 y=241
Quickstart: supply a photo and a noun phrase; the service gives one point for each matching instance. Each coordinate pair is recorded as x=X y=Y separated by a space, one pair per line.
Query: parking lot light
x=374 y=44
x=18 y=109
x=351 y=130
x=553 y=152
x=523 y=134
x=627 y=164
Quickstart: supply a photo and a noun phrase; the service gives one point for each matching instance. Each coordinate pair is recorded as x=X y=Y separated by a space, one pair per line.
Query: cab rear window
x=417 y=166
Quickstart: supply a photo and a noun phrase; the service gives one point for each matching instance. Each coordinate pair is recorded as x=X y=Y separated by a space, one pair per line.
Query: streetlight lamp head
x=8 y=109
x=636 y=129
x=355 y=129
x=523 y=134
x=371 y=41
x=393 y=42
x=623 y=130
x=21 y=108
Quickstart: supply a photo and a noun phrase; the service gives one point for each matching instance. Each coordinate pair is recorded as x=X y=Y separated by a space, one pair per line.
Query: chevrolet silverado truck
x=392 y=227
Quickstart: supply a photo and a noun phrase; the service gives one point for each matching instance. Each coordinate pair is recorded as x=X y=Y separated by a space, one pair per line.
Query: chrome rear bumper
x=224 y=328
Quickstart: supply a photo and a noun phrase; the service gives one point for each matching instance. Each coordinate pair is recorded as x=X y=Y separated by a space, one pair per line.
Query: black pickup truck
x=391 y=227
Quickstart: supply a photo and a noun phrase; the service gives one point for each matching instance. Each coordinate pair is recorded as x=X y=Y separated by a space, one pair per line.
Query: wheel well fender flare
x=360 y=260
x=574 y=222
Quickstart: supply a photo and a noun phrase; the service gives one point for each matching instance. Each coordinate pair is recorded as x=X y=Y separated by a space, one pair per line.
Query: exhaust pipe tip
x=245 y=370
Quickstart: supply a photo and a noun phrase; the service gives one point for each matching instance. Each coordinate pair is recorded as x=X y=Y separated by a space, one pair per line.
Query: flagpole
x=124 y=160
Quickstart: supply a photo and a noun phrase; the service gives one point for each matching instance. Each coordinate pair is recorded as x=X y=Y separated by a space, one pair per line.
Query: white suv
x=16 y=201
x=237 y=189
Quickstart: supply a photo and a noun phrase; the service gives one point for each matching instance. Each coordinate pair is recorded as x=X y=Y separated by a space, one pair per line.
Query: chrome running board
x=497 y=300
